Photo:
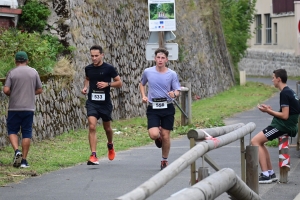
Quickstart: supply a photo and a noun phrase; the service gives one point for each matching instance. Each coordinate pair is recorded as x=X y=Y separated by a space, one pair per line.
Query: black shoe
x=163 y=164
x=17 y=159
x=158 y=142
x=273 y=178
x=24 y=164
x=264 y=179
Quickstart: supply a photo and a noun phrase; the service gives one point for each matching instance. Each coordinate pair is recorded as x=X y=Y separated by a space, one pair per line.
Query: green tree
x=236 y=17
x=153 y=11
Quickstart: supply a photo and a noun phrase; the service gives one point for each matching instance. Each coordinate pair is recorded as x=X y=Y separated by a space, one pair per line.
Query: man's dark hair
x=281 y=73
x=161 y=50
x=97 y=47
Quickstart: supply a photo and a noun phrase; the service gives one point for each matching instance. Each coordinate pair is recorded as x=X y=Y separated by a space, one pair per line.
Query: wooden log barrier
x=284 y=158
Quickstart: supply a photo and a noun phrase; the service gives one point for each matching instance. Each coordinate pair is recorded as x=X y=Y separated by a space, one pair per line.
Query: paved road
x=133 y=167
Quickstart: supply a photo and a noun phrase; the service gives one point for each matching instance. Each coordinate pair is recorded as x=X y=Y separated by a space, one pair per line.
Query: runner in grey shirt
x=163 y=86
x=160 y=84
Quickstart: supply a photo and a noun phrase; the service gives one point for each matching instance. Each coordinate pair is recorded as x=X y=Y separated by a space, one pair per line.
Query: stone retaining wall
x=263 y=63
x=121 y=27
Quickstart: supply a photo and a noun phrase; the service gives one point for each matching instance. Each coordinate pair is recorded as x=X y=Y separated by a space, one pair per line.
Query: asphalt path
x=131 y=168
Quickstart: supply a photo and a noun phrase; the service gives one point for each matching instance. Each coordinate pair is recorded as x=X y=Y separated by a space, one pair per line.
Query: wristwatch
x=108 y=83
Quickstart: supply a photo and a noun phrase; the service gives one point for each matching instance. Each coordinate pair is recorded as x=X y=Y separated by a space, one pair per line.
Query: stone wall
x=264 y=62
x=121 y=27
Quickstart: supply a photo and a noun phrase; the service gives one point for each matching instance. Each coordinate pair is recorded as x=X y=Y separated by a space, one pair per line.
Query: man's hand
x=84 y=91
x=264 y=108
x=145 y=99
x=102 y=85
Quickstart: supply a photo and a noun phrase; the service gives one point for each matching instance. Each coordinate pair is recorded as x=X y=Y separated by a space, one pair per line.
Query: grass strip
x=72 y=148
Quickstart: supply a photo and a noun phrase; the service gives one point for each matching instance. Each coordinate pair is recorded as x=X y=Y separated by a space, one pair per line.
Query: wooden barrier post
x=193 y=165
x=252 y=167
x=161 y=39
x=243 y=167
x=203 y=172
x=284 y=158
x=186 y=103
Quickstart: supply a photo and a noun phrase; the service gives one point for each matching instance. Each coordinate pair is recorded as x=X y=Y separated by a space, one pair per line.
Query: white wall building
x=276 y=38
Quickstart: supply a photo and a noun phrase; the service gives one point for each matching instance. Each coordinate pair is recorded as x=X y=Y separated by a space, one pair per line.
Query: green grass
x=72 y=148
x=273 y=143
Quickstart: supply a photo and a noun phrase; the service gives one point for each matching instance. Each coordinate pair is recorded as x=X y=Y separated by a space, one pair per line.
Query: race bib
x=159 y=103
x=98 y=96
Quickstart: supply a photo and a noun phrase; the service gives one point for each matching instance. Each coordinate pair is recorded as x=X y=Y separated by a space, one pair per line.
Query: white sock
x=271 y=172
x=266 y=173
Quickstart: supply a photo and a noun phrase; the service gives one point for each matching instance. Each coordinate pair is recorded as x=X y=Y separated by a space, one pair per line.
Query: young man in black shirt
x=98 y=105
x=284 y=122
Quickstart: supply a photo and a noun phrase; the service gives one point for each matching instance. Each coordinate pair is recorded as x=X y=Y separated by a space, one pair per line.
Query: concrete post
x=242 y=77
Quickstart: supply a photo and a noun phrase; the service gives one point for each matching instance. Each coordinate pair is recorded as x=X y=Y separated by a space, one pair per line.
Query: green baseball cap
x=21 y=56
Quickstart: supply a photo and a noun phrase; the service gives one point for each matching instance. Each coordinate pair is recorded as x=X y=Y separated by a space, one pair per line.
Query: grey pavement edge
x=133 y=167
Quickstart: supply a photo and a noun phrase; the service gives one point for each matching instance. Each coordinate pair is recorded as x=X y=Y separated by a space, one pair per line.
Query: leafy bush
x=34 y=16
x=41 y=52
x=54 y=46
x=273 y=143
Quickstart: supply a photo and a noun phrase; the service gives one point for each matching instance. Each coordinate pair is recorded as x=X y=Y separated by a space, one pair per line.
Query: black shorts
x=161 y=117
x=272 y=133
x=102 y=111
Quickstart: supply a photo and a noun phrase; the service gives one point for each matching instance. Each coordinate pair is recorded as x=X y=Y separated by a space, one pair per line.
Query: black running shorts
x=272 y=133
x=161 y=117
x=102 y=111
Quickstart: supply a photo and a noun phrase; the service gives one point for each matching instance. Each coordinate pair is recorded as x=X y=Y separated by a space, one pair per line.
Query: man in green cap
x=21 y=85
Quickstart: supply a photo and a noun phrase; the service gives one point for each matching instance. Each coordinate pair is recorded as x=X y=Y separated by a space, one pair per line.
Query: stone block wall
x=263 y=63
x=121 y=27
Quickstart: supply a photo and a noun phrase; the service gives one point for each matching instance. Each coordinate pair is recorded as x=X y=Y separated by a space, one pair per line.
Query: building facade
x=9 y=13
x=276 y=38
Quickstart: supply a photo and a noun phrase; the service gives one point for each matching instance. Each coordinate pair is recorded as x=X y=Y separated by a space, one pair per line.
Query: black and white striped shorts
x=272 y=133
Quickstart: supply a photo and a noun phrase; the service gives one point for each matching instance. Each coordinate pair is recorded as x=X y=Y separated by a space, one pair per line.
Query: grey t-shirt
x=23 y=81
x=160 y=83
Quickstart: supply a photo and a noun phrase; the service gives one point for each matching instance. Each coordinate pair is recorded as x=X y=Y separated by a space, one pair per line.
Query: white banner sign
x=171 y=47
x=161 y=15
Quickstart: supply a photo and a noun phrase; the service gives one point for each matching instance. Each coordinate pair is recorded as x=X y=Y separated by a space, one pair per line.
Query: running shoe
x=273 y=177
x=24 y=164
x=264 y=179
x=17 y=159
x=93 y=160
x=163 y=164
x=111 y=152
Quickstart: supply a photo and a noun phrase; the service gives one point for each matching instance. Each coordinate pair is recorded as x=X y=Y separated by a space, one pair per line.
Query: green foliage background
x=43 y=49
x=34 y=16
x=167 y=8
